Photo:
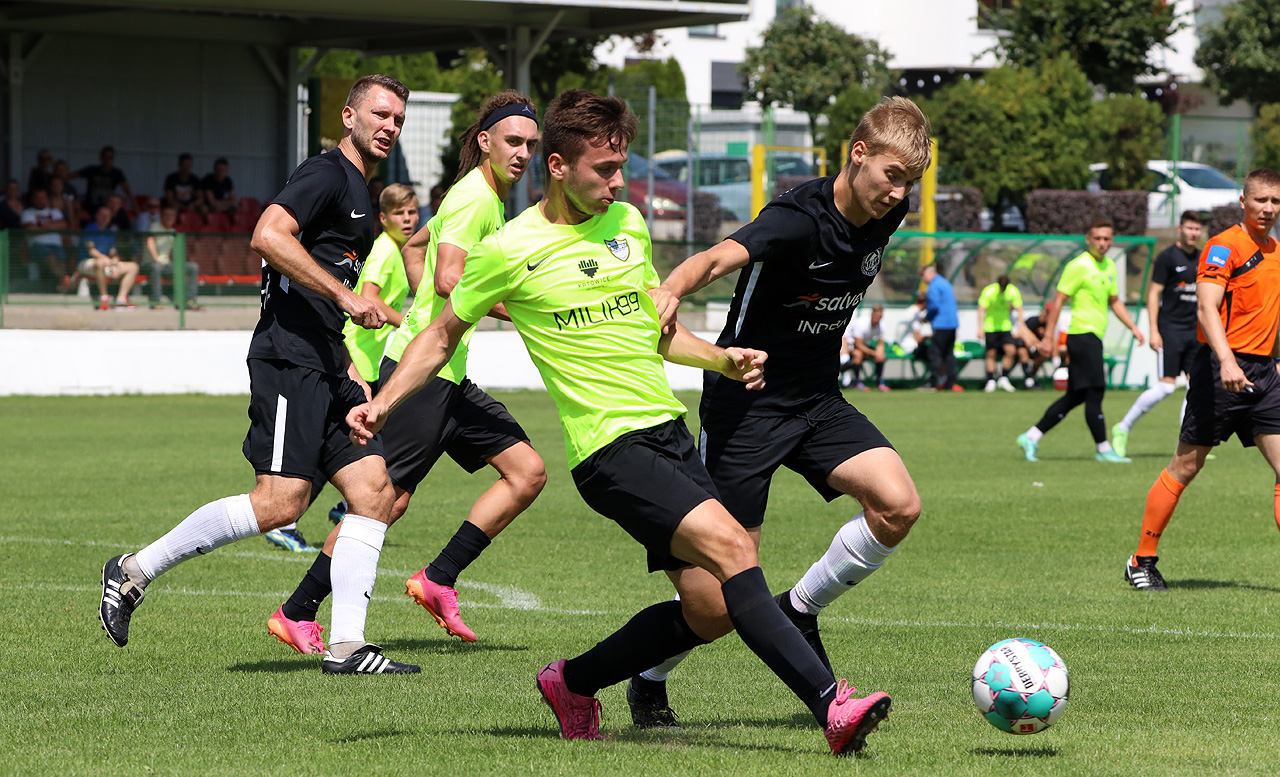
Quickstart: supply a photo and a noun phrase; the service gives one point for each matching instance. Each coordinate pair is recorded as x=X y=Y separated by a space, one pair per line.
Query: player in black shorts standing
x=314 y=238
x=807 y=260
x=1171 y=310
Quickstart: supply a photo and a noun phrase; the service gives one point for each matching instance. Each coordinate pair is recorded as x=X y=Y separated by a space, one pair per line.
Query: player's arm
x=1122 y=313
x=373 y=292
x=982 y=318
x=275 y=239
x=1208 y=299
x=1154 y=290
x=1051 y=324
x=414 y=253
x=696 y=273
x=451 y=261
x=681 y=346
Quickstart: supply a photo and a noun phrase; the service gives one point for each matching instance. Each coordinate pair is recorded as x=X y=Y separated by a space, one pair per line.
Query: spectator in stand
x=917 y=337
x=64 y=200
x=119 y=216
x=149 y=215
x=102 y=261
x=943 y=314
x=437 y=196
x=159 y=257
x=218 y=191
x=182 y=187
x=42 y=173
x=863 y=340
x=102 y=180
x=47 y=247
x=11 y=207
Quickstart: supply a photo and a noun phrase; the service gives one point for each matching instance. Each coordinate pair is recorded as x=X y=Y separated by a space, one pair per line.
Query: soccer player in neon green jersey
x=452 y=415
x=575 y=274
x=1089 y=281
x=995 y=305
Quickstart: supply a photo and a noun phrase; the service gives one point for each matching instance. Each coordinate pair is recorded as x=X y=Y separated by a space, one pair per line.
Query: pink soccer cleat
x=441 y=601
x=302 y=636
x=579 y=716
x=850 y=720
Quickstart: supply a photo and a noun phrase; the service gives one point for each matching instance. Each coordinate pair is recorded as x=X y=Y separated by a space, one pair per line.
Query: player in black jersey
x=1171 y=313
x=807 y=260
x=314 y=238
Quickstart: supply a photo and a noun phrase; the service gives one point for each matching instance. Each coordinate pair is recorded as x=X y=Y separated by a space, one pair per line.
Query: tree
x=842 y=116
x=1128 y=131
x=1111 y=40
x=1266 y=137
x=804 y=61
x=1238 y=54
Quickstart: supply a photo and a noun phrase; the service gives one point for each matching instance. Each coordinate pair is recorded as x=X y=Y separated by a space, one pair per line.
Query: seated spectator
x=437 y=197
x=102 y=180
x=159 y=258
x=182 y=188
x=863 y=340
x=102 y=262
x=42 y=173
x=149 y=215
x=64 y=200
x=218 y=191
x=917 y=335
x=11 y=206
x=119 y=216
x=46 y=247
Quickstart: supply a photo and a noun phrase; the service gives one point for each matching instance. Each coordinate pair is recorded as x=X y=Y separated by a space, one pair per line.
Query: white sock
x=293 y=525
x=1145 y=401
x=1034 y=434
x=208 y=528
x=659 y=673
x=353 y=571
x=854 y=554
x=1104 y=446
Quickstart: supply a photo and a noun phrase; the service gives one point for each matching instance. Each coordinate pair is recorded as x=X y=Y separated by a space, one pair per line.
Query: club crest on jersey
x=619 y=248
x=871 y=262
x=589 y=267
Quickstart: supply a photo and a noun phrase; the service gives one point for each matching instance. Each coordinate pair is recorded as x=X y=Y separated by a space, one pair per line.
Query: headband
x=514 y=109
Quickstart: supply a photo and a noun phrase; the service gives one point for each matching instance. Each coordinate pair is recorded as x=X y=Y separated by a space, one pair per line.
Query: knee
x=731 y=551
x=276 y=507
x=708 y=619
x=900 y=509
x=528 y=480
x=374 y=500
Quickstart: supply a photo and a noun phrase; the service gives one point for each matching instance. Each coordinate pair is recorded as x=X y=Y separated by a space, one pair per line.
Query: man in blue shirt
x=941 y=312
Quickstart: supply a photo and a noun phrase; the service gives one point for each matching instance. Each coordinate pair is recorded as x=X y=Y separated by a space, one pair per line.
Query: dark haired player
x=314 y=237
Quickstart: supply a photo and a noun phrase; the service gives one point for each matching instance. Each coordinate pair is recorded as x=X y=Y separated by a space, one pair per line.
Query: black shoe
x=338 y=512
x=366 y=660
x=120 y=597
x=1145 y=576
x=649 y=708
x=808 y=625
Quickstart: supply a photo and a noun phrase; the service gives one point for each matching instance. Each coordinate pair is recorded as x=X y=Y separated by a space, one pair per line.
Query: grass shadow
x=277 y=666
x=686 y=737
x=449 y=645
x=1014 y=752
x=1197 y=584
x=368 y=735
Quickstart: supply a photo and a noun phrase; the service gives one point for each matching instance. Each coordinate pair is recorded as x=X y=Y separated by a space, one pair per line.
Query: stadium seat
x=218 y=222
x=140 y=200
x=244 y=221
x=190 y=221
x=250 y=205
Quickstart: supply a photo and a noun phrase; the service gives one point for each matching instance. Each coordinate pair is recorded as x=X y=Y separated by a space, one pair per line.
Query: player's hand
x=1233 y=378
x=364 y=312
x=1137 y=335
x=1157 y=342
x=667 y=305
x=365 y=421
x=746 y=365
x=1046 y=348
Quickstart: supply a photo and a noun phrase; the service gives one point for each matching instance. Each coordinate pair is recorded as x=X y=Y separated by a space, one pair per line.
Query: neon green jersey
x=1090 y=284
x=997 y=306
x=384 y=267
x=470 y=211
x=577 y=295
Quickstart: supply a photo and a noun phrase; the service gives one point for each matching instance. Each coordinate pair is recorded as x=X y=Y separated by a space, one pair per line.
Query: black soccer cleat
x=120 y=597
x=1144 y=576
x=366 y=660
x=649 y=707
x=807 y=624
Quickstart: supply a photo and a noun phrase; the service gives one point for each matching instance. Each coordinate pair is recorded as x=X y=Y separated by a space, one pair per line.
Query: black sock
x=652 y=636
x=991 y=375
x=777 y=641
x=879 y=372
x=314 y=589
x=464 y=547
x=1027 y=371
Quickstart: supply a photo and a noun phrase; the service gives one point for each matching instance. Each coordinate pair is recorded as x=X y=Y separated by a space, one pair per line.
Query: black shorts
x=1214 y=414
x=298 y=421
x=998 y=340
x=1088 y=368
x=458 y=419
x=647 y=481
x=1177 y=353
x=742 y=453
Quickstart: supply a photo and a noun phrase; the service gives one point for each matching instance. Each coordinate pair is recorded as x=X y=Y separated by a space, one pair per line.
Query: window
x=785 y=4
x=990 y=13
x=705 y=31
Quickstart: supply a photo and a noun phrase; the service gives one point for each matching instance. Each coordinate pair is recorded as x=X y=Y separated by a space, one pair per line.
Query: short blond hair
x=896 y=126
x=394 y=196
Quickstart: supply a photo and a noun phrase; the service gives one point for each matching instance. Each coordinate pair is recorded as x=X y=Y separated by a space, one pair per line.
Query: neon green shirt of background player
x=578 y=296
x=997 y=306
x=385 y=267
x=1090 y=284
x=470 y=211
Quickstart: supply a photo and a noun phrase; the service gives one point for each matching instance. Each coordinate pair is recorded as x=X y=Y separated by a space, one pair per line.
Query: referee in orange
x=1234 y=386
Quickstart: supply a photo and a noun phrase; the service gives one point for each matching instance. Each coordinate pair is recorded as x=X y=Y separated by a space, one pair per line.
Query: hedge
x=1058 y=212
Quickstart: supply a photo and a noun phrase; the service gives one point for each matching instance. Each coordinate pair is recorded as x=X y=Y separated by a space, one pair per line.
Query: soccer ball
x=1060 y=378
x=1020 y=686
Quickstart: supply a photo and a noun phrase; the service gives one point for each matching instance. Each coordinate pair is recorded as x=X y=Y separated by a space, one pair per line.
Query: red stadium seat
x=218 y=222
x=190 y=221
x=250 y=205
x=244 y=221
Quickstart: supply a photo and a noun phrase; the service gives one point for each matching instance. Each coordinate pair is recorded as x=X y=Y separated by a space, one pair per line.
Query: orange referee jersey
x=1251 y=274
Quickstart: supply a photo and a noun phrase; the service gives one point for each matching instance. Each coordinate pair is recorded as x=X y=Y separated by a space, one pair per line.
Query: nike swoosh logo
x=355 y=215
x=1180 y=269
x=815 y=265
x=535 y=265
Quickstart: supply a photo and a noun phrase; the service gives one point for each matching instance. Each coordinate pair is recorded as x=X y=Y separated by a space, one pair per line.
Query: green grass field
x=1181 y=683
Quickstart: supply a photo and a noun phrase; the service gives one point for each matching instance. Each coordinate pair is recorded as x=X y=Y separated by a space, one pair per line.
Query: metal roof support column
x=525 y=51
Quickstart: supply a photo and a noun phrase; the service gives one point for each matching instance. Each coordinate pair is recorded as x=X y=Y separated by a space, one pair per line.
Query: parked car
x=670 y=199
x=1194 y=187
x=1010 y=218
x=729 y=177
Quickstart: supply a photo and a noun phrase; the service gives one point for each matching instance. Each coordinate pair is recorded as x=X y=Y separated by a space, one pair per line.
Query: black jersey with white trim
x=1175 y=269
x=330 y=200
x=808 y=271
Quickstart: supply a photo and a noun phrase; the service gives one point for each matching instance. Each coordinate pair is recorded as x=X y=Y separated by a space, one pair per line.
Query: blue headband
x=514 y=109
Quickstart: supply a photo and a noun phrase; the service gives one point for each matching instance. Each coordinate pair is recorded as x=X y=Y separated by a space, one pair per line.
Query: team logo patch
x=1217 y=256
x=589 y=267
x=619 y=248
x=871 y=262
